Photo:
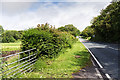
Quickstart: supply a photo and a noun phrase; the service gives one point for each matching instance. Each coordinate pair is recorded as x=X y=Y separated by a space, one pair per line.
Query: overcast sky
x=24 y=14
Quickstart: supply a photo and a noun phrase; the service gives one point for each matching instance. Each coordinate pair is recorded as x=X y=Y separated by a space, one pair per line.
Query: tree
x=88 y=32
x=1 y=29
x=106 y=25
x=10 y=36
x=71 y=29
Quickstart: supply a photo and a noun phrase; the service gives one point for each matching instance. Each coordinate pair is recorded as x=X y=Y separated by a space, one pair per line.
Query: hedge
x=48 y=40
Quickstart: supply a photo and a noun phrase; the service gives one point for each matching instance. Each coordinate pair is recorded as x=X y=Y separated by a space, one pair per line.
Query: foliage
x=63 y=66
x=1 y=29
x=46 y=39
x=10 y=36
x=88 y=32
x=71 y=29
x=106 y=25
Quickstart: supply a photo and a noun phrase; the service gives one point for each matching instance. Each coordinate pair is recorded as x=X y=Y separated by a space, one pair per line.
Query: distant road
x=107 y=54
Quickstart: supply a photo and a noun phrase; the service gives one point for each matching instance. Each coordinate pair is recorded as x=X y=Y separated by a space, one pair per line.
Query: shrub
x=48 y=41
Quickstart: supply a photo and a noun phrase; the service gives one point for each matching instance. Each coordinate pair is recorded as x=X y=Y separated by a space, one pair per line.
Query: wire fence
x=12 y=66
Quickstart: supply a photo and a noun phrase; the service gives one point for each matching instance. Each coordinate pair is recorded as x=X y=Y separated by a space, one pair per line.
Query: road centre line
x=113 y=48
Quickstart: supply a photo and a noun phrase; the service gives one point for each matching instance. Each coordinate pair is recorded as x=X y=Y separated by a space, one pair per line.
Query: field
x=7 y=47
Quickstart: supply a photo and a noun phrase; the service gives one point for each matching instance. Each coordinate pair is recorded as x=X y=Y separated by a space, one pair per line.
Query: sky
x=25 y=14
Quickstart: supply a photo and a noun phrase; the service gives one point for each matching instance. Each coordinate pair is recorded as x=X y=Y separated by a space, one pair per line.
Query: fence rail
x=18 y=65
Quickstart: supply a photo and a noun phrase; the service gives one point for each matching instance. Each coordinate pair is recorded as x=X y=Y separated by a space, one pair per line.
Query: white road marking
x=108 y=76
x=113 y=48
x=94 y=57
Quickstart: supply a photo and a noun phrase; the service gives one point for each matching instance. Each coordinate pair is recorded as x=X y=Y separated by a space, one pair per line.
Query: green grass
x=64 y=65
x=10 y=46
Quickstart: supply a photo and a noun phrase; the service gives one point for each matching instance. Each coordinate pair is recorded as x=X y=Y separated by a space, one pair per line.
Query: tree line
x=8 y=36
x=106 y=26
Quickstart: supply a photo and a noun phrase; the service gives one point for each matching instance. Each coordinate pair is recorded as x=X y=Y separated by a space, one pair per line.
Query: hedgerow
x=48 y=40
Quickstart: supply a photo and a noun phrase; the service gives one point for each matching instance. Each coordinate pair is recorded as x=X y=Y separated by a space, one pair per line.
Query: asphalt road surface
x=107 y=54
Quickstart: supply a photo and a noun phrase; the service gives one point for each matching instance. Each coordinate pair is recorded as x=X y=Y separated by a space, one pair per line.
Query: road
x=107 y=55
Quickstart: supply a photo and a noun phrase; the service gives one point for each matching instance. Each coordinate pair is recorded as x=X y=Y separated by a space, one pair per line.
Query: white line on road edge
x=108 y=76
x=94 y=57
x=113 y=48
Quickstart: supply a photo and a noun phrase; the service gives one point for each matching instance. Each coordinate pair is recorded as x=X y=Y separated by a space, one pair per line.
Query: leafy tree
x=106 y=25
x=71 y=29
x=88 y=32
x=1 y=29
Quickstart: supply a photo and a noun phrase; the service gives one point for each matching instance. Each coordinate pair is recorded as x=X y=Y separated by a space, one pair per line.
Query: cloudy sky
x=24 y=14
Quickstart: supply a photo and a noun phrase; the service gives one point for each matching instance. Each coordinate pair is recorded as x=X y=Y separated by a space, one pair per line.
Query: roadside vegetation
x=105 y=27
x=69 y=61
x=70 y=29
x=48 y=40
x=60 y=54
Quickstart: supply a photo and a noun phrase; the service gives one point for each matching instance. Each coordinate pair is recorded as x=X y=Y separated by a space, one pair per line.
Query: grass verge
x=68 y=62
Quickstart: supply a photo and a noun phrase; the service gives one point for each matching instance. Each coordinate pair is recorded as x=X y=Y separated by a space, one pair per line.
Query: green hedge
x=48 y=41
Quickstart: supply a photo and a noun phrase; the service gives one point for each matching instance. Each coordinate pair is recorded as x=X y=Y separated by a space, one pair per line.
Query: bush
x=10 y=36
x=48 y=41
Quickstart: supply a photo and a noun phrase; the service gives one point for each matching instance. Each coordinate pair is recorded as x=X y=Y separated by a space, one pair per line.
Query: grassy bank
x=69 y=61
